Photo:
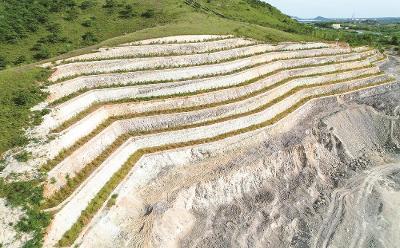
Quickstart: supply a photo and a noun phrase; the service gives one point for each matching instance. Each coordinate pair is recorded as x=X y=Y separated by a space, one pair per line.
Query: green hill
x=36 y=30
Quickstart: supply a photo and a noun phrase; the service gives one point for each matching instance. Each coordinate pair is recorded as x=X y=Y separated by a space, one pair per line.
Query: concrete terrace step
x=70 y=86
x=76 y=132
x=113 y=106
x=77 y=104
x=98 y=144
x=115 y=65
x=162 y=49
x=178 y=39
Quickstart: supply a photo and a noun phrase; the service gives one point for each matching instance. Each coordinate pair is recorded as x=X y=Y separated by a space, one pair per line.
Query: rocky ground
x=330 y=180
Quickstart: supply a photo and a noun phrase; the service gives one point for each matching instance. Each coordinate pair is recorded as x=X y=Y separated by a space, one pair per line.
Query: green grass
x=19 y=91
x=28 y=195
x=170 y=17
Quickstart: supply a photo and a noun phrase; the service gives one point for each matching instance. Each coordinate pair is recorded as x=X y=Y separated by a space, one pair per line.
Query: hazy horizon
x=338 y=8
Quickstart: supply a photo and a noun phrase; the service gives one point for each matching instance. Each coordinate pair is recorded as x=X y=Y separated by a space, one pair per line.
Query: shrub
x=126 y=12
x=2 y=63
x=148 y=13
x=87 y=23
x=89 y=38
x=87 y=4
x=19 y=60
x=43 y=53
x=72 y=14
x=109 y=4
x=20 y=99
x=22 y=156
x=394 y=40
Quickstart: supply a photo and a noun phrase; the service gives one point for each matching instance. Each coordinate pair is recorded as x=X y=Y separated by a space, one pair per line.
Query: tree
x=126 y=12
x=3 y=63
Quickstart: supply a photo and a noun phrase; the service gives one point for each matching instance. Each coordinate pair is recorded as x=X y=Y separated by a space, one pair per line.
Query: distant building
x=336 y=26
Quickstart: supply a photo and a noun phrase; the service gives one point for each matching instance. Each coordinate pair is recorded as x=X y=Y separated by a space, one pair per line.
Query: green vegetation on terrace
x=93 y=107
x=75 y=181
x=27 y=195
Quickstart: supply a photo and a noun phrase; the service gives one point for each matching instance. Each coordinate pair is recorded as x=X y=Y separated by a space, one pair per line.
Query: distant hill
x=383 y=20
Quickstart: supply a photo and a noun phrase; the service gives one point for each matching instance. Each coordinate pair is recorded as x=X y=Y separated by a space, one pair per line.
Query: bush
x=19 y=60
x=109 y=4
x=87 y=23
x=72 y=14
x=23 y=156
x=126 y=12
x=148 y=13
x=394 y=40
x=43 y=53
x=89 y=38
x=21 y=99
x=2 y=63
x=87 y=4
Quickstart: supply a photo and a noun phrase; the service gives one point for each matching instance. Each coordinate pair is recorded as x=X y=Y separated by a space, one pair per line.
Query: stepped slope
x=121 y=116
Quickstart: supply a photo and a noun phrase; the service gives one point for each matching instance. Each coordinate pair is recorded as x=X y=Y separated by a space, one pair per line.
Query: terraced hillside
x=122 y=117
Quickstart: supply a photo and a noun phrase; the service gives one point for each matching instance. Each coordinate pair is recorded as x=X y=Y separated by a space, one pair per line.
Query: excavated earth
x=332 y=179
x=217 y=141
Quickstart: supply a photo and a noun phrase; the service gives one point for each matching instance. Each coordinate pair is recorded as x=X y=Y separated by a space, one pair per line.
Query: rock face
x=332 y=180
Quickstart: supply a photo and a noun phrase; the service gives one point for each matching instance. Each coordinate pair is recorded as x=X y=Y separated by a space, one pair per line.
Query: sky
x=338 y=8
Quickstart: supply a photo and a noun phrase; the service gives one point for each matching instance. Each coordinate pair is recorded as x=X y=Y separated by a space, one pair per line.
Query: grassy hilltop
x=37 y=30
